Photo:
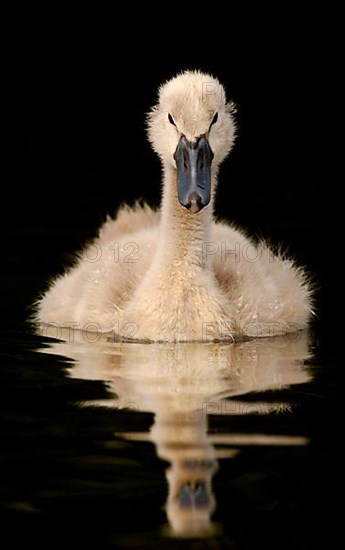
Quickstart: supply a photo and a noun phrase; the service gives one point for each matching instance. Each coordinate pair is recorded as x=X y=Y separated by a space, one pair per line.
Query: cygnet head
x=192 y=129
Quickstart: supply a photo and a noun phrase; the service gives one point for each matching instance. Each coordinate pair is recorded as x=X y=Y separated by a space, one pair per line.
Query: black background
x=75 y=144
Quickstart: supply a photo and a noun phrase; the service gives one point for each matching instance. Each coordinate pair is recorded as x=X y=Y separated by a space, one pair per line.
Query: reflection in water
x=182 y=384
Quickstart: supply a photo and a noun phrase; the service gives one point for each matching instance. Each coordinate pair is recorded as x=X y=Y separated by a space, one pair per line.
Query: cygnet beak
x=193 y=162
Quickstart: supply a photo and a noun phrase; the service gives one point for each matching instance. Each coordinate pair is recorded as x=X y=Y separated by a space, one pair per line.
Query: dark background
x=75 y=145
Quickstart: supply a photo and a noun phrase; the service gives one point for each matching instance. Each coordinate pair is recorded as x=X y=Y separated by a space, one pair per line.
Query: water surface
x=138 y=445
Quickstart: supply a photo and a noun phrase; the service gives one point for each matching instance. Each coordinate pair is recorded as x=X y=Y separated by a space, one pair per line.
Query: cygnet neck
x=183 y=234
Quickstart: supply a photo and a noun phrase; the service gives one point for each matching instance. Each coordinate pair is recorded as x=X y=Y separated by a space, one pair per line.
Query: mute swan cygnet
x=177 y=275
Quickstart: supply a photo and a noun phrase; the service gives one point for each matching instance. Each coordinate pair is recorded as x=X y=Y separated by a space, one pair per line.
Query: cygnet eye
x=214 y=120
x=171 y=120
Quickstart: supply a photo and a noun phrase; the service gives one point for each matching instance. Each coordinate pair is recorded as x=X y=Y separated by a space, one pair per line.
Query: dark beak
x=194 y=495
x=193 y=162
